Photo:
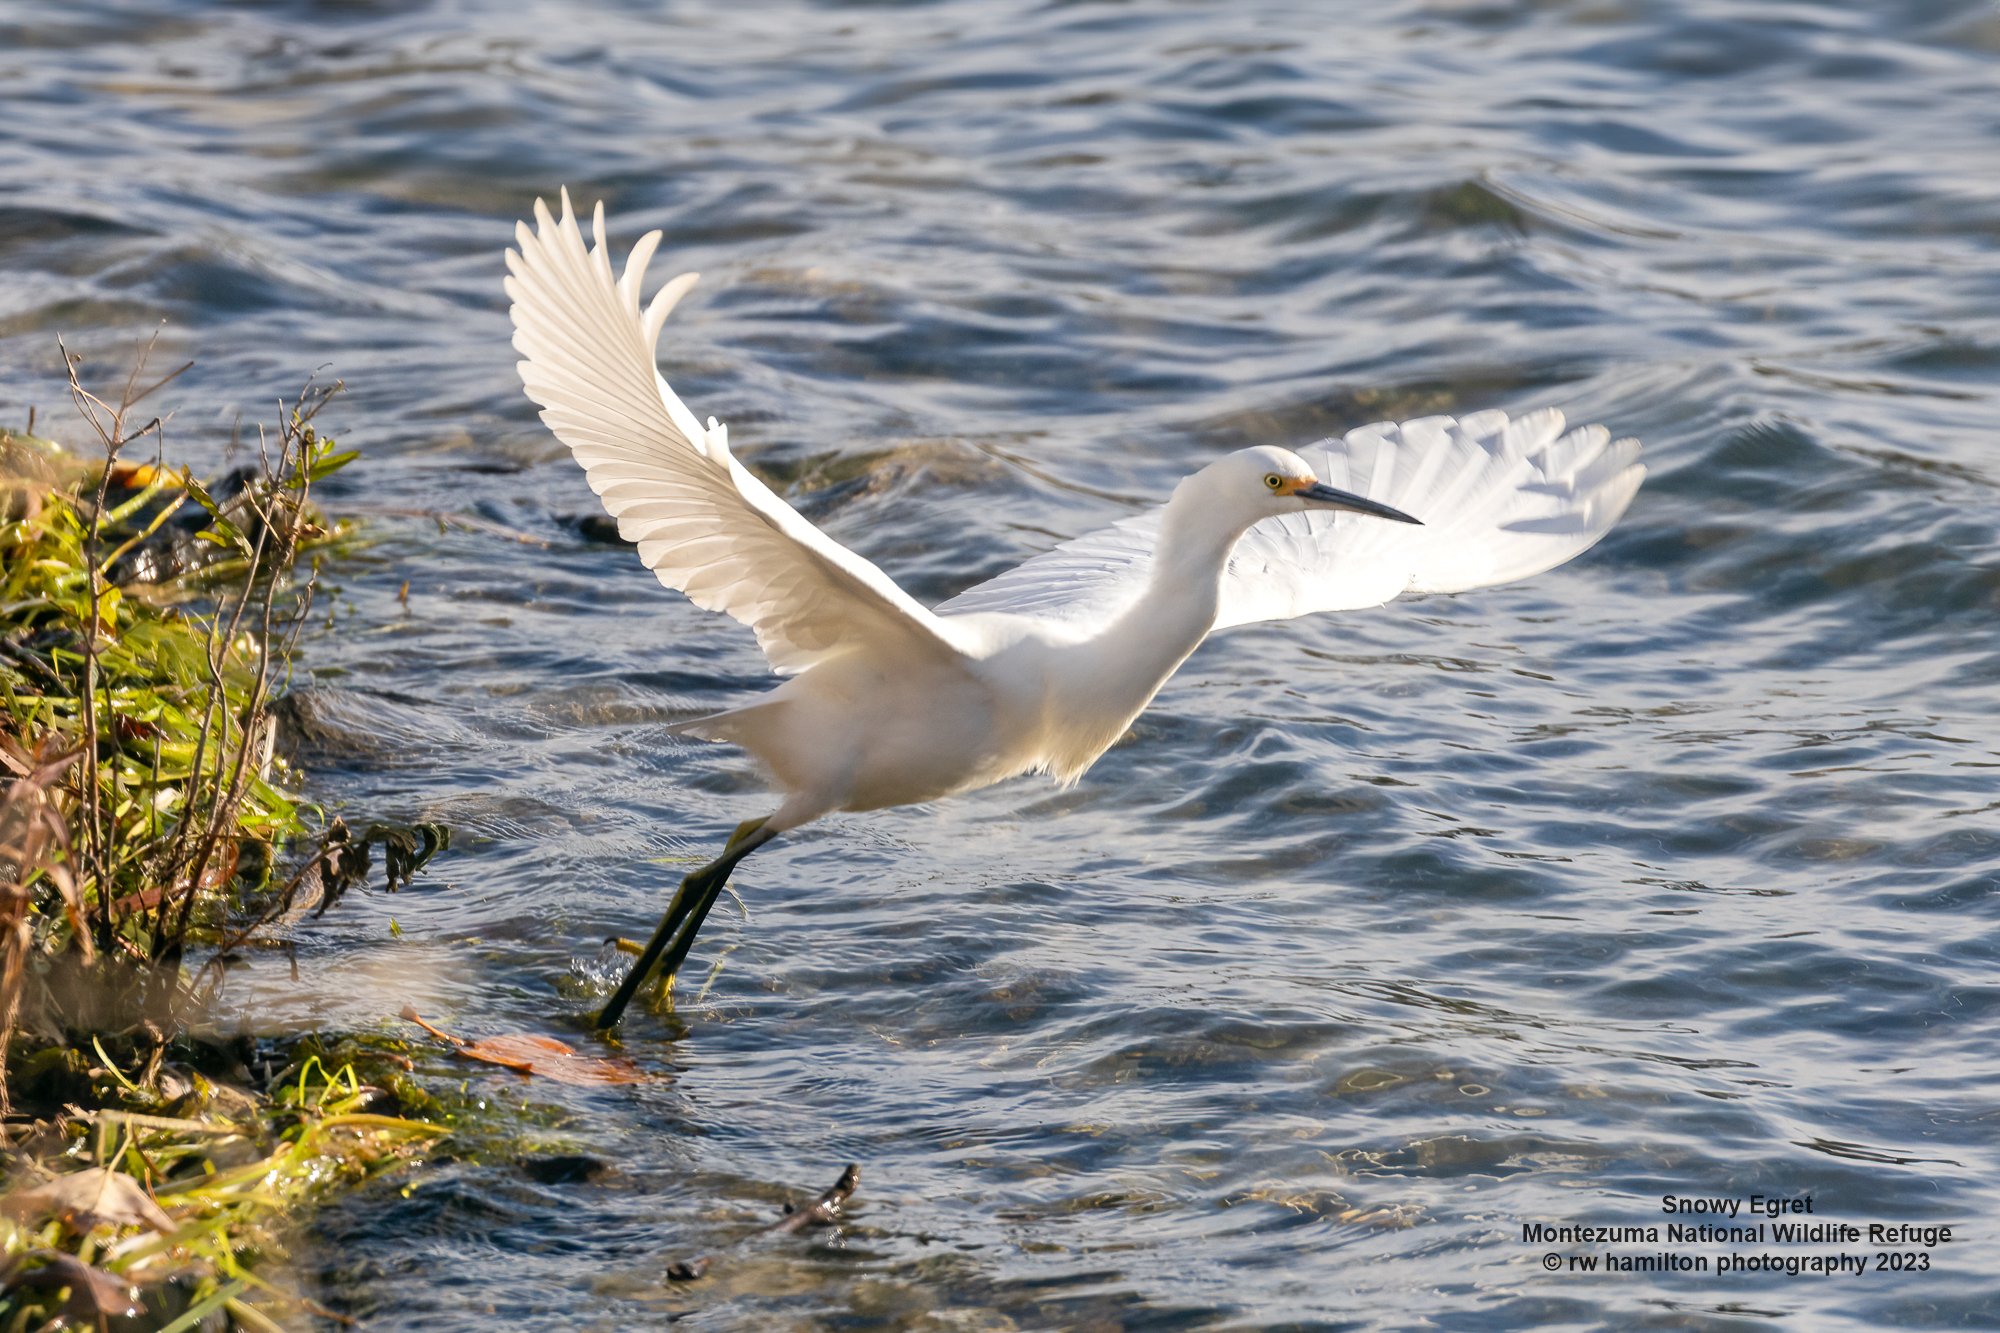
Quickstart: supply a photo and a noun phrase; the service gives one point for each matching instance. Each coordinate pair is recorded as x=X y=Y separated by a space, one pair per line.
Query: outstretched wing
x=1499 y=499
x=702 y=523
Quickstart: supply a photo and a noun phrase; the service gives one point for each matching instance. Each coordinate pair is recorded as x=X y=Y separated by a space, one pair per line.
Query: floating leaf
x=544 y=1057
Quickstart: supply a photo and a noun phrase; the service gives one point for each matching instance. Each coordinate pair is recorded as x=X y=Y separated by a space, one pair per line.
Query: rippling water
x=1669 y=872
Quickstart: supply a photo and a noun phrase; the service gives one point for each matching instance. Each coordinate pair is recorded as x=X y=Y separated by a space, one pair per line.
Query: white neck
x=1184 y=589
x=1107 y=679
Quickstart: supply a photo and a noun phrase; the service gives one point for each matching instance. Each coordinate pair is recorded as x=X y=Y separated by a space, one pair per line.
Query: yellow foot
x=662 y=999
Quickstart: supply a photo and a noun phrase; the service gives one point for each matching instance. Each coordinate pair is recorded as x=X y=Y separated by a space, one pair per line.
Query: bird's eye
x=1274 y=481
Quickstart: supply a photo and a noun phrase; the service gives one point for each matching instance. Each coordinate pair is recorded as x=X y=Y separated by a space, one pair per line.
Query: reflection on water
x=1672 y=871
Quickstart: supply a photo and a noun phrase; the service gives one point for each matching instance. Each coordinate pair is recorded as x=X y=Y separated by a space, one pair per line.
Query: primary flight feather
x=1040 y=669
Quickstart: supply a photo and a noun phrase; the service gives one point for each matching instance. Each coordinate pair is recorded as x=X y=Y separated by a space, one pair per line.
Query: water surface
x=1669 y=872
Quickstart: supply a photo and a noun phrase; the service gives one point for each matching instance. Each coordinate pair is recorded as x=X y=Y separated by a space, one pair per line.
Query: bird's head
x=1266 y=480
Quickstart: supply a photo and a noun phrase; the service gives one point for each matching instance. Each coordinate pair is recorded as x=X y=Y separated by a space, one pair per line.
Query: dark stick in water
x=824 y=1211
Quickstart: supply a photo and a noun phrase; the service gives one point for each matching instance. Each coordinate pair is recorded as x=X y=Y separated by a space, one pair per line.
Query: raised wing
x=1500 y=500
x=1087 y=580
x=702 y=523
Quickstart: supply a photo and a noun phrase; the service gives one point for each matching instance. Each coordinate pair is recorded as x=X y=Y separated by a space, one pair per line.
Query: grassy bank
x=149 y=831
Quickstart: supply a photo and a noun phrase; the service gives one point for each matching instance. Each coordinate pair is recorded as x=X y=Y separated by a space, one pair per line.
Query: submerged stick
x=823 y=1211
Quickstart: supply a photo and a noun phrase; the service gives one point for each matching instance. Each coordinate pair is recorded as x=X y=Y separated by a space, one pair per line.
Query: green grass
x=147 y=622
x=228 y=1185
x=145 y=798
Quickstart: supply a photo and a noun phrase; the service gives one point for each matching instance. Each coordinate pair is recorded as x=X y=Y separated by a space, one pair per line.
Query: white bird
x=1043 y=668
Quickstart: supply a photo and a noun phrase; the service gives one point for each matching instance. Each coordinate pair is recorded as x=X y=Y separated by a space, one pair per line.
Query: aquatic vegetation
x=146 y=621
x=174 y=1215
x=147 y=625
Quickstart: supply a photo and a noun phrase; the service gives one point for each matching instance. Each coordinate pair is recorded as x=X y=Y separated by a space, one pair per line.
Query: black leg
x=677 y=955
x=689 y=908
x=614 y=1008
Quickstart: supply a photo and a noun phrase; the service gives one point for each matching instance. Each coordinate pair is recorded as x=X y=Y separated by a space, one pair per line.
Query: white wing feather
x=703 y=524
x=1500 y=500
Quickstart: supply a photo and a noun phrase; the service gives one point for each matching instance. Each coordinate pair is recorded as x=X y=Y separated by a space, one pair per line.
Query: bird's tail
x=713 y=727
x=749 y=726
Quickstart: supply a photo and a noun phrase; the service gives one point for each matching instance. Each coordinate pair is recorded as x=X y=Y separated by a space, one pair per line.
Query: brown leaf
x=89 y=1199
x=546 y=1057
x=145 y=900
x=96 y=1294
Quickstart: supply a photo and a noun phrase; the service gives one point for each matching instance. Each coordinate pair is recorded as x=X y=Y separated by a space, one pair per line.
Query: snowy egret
x=1044 y=667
